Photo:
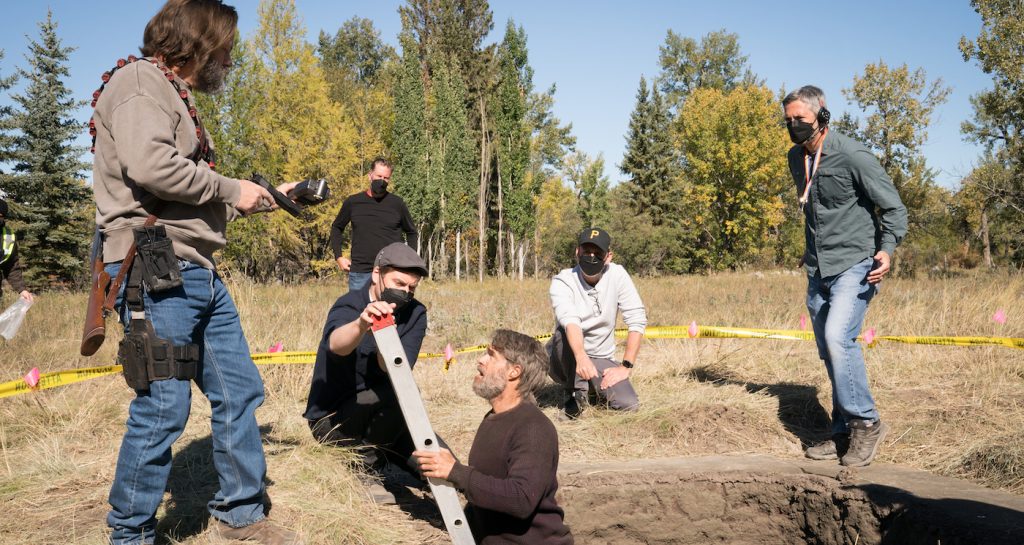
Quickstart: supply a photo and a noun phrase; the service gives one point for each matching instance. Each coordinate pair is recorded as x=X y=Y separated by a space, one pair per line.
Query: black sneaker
x=865 y=438
x=575 y=405
x=830 y=449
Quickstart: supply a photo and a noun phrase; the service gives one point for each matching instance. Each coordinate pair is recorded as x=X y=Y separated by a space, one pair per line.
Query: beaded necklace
x=205 y=151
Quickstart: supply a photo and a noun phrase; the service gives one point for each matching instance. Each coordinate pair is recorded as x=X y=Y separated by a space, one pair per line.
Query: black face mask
x=800 y=131
x=378 y=187
x=591 y=265
x=399 y=297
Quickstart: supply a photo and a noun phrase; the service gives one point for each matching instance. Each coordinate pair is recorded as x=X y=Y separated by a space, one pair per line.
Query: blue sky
x=597 y=50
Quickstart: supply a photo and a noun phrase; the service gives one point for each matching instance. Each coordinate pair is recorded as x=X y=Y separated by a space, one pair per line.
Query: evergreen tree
x=512 y=133
x=451 y=160
x=6 y=124
x=650 y=160
x=53 y=198
x=409 y=138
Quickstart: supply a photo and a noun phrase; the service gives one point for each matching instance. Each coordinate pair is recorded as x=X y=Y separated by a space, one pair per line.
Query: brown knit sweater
x=511 y=480
x=144 y=141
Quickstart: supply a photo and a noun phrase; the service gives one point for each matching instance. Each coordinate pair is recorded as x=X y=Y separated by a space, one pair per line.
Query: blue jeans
x=358 y=280
x=200 y=311
x=837 y=305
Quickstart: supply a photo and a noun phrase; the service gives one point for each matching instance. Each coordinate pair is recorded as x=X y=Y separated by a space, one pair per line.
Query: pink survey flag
x=803 y=322
x=32 y=377
x=693 y=331
x=869 y=336
x=278 y=347
x=999 y=317
x=449 y=354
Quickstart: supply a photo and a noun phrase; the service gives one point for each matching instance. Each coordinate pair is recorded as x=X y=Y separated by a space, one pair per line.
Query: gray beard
x=210 y=79
x=490 y=387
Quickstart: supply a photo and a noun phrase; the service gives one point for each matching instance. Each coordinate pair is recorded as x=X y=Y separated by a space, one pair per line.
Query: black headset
x=824 y=116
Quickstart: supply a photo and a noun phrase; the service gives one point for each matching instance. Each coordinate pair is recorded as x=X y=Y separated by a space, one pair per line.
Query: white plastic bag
x=10 y=320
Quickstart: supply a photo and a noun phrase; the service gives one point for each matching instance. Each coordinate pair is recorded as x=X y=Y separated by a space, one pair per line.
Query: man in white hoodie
x=586 y=300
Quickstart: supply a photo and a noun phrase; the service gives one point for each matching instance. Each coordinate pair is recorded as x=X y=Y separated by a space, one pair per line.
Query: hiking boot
x=574 y=406
x=865 y=438
x=376 y=491
x=264 y=532
x=829 y=449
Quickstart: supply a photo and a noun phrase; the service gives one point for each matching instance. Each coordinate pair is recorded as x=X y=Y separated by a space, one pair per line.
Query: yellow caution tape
x=62 y=378
x=58 y=378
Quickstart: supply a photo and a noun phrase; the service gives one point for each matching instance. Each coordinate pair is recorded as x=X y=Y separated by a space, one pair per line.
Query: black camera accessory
x=282 y=201
x=160 y=270
x=310 y=192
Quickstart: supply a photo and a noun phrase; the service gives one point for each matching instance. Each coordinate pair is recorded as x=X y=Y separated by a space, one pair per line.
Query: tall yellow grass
x=954 y=411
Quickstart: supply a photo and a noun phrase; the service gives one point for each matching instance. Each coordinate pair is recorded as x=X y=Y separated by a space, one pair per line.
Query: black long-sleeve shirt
x=376 y=222
x=511 y=480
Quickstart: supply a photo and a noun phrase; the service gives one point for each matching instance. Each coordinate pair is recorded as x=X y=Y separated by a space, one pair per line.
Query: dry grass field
x=953 y=411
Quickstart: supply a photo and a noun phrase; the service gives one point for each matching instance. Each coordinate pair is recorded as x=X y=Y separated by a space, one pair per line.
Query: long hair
x=184 y=30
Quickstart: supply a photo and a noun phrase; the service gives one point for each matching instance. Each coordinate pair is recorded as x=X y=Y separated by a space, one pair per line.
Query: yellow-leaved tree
x=276 y=118
x=735 y=176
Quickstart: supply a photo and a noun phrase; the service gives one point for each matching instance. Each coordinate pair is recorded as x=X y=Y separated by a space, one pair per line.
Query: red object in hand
x=380 y=322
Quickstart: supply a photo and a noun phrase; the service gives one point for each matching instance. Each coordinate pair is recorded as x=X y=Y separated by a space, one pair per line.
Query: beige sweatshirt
x=144 y=141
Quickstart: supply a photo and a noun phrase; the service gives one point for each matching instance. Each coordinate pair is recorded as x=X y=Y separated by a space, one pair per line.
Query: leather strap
x=126 y=265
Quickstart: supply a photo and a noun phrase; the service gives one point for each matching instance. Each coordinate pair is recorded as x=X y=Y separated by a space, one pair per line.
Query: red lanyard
x=808 y=173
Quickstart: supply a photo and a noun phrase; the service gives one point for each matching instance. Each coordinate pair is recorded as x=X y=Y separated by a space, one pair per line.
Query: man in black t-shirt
x=351 y=400
x=378 y=218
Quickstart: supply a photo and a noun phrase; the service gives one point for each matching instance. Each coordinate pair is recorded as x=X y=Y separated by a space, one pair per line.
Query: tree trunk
x=501 y=226
x=522 y=257
x=985 y=244
x=458 y=255
x=430 y=256
x=536 y=253
x=485 y=177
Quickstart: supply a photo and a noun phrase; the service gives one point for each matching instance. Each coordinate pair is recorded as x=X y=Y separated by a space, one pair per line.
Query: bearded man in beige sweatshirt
x=153 y=157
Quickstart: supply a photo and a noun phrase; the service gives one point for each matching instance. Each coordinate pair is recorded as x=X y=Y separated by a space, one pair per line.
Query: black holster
x=143 y=356
x=159 y=269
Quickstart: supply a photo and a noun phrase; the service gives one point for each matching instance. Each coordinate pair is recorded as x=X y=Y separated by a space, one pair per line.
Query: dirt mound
x=762 y=500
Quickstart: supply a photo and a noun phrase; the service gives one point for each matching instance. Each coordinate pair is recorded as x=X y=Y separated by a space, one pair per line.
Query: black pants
x=371 y=422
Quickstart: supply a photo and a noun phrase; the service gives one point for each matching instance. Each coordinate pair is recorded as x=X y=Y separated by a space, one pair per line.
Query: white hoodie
x=595 y=309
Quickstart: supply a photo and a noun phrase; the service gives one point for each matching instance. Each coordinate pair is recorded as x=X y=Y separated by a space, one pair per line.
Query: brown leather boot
x=264 y=532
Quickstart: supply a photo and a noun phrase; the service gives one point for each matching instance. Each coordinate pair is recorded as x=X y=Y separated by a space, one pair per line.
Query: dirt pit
x=763 y=500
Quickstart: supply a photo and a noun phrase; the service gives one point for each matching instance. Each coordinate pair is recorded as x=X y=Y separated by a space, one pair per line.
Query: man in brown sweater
x=511 y=478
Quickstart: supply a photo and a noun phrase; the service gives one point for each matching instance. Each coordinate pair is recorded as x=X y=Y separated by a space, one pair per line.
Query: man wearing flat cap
x=586 y=300
x=351 y=400
x=10 y=266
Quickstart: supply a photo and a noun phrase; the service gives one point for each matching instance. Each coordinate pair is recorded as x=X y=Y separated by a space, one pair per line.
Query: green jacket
x=854 y=209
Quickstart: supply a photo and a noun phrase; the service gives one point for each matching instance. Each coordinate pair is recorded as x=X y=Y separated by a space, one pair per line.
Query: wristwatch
x=627 y=364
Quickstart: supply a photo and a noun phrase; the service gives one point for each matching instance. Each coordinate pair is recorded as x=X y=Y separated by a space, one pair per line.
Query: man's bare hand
x=437 y=464
x=376 y=309
x=27 y=296
x=613 y=376
x=284 y=189
x=882 y=261
x=585 y=368
x=344 y=263
x=253 y=198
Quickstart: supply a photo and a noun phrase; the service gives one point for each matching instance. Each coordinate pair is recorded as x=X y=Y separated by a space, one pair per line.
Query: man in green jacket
x=854 y=219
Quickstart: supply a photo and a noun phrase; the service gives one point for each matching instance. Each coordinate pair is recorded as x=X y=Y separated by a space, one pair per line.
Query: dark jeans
x=562 y=369
x=371 y=422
